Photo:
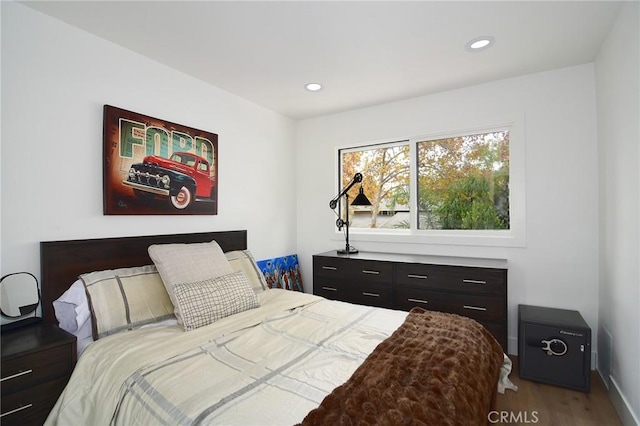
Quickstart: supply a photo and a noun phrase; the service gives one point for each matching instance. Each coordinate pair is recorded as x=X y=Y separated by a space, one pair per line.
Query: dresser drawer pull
x=24 y=407
x=367 y=271
x=417 y=300
x=474 y=308
x=13 y=376
x=330 y=268
x=330 y=288
x=364 y=293
x=420 y=277
x=474 y=281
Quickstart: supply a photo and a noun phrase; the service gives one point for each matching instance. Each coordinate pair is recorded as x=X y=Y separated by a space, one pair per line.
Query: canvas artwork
x=155 y=167
x=282 y=272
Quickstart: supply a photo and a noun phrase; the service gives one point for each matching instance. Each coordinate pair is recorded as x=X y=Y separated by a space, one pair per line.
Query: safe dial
x=554 y=347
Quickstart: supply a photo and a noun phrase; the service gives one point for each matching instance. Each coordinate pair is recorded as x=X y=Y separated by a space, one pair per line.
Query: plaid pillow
x=187 y=263
x=126 y=298
x=204 y=302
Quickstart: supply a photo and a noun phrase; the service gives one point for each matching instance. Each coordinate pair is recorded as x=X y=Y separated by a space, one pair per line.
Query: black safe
x=554 y=347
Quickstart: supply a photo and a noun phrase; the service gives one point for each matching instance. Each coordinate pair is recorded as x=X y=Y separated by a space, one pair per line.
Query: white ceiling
x=364 y=53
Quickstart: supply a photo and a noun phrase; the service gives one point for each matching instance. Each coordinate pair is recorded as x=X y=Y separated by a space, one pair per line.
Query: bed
x=276 y=357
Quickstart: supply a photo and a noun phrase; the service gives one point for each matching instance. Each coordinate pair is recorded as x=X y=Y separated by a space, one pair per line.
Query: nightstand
x=37 y=361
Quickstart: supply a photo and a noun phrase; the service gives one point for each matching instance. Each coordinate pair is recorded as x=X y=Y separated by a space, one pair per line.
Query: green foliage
x=464 y=182
x=468 y=204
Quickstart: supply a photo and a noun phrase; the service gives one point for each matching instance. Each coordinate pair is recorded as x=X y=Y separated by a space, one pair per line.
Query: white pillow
x=74 y=315
x=204 y=302
x=188 y=263
x=72 y=308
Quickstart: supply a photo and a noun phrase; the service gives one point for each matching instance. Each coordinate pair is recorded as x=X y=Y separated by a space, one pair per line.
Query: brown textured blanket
x=435 y=369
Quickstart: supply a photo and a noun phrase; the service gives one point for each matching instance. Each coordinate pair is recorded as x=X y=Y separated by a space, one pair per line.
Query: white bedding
x=266 y=366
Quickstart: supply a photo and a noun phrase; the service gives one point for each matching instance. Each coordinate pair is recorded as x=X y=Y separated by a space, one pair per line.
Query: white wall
x=558 y=266
x=55 y=81
x=618 y=95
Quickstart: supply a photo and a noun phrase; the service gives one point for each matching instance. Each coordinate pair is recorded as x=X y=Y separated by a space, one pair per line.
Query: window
x=386 y=183
x=458 y=185
x=463 y=182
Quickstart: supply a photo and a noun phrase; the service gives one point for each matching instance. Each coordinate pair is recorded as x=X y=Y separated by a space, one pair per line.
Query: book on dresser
x=473 y=287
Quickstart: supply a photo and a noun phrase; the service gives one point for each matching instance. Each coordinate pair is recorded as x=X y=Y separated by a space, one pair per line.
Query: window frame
x=513 y=237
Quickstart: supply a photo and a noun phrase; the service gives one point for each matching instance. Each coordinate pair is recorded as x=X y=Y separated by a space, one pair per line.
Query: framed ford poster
x=155 y=167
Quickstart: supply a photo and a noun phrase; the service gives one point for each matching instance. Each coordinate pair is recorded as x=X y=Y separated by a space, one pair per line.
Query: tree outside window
x=386 y=184
x=462 y=183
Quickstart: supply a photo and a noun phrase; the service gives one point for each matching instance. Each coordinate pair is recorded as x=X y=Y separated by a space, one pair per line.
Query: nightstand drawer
x=481 y=308
x=28 y=370
x=452 y=278
x=31 y=406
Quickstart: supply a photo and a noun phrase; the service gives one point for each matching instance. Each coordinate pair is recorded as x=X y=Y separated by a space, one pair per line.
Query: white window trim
x=513 y=237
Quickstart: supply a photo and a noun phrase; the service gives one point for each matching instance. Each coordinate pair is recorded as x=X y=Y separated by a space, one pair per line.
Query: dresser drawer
x=331 y=289
x=452 y=278
x=481 y=308
x=31 y=406
x=372 y=295
x=353 y=269
x=24 y=371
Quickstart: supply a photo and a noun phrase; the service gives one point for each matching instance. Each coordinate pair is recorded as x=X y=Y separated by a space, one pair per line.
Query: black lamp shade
x=361 y=199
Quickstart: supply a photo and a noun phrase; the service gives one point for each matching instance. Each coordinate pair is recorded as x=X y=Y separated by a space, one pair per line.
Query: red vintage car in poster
x=181 y=179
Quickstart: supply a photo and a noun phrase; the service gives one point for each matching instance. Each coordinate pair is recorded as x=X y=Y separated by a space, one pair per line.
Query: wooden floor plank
x=542 y=404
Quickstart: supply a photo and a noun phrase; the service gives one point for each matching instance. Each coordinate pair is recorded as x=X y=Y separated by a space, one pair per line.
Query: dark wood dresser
x=37 y=361
x=473 y=287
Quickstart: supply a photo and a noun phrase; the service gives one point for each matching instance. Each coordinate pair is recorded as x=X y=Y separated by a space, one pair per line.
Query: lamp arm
x=356 y=178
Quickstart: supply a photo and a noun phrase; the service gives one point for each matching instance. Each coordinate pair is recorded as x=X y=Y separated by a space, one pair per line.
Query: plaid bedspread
x=266 y=366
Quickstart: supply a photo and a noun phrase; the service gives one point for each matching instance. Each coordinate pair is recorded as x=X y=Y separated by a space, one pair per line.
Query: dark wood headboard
x=61 y=262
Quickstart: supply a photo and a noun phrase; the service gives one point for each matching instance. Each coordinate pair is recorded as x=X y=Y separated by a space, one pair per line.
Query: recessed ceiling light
x=479 y=44
x=313 y=87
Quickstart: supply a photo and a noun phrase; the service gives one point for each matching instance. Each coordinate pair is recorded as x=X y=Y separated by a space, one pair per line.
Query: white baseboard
x=621 y=404
x=512 y=346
